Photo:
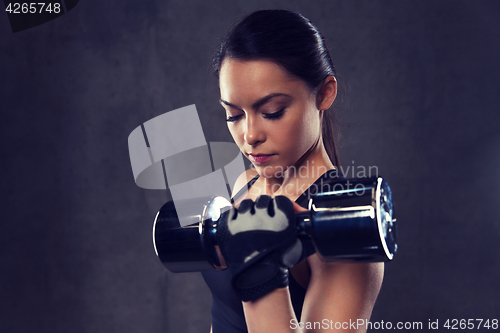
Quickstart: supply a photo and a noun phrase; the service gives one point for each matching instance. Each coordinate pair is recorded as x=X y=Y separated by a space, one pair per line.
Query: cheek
x=237 y=134
x=312 y=122
x=302 y=132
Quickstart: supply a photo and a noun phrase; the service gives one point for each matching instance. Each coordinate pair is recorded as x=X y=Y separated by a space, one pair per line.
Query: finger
x=245 y=206
x=283 y=203
x=262 y=202
x=286 y=206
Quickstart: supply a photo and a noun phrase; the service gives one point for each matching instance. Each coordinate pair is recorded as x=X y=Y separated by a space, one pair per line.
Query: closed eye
x=271 y=116
x=232 y=119
x=275 y=115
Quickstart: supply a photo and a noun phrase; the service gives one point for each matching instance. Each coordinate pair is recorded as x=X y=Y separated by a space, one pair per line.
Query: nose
x=254 y=131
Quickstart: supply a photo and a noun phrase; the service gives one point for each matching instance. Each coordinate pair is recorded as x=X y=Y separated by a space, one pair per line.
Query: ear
x=326 y=93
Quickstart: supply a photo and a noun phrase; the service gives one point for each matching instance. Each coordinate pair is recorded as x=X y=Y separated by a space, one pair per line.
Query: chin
x=270 y=171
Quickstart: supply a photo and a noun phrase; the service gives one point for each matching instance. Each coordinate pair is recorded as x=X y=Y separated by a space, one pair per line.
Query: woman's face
x=272 y=115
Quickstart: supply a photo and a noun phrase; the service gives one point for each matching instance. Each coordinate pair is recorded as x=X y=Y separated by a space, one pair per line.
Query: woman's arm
x=272 y=312
x=337 y=294
x=342 y=294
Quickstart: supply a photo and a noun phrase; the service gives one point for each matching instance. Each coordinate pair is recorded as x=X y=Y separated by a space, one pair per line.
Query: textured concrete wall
x=420 y=103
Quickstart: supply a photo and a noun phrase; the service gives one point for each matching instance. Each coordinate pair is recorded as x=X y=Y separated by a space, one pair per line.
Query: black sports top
x=227 y=310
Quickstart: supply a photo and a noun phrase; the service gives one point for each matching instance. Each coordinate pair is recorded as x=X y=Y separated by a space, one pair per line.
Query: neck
x=314 y=163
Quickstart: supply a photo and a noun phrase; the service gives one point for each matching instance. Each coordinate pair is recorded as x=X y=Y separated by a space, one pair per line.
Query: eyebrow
x=258 y=103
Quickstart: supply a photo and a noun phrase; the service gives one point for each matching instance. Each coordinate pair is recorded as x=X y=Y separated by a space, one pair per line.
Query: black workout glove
x=259 y=242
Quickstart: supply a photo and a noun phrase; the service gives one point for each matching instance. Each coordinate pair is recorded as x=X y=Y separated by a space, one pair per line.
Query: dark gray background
x=421 y=103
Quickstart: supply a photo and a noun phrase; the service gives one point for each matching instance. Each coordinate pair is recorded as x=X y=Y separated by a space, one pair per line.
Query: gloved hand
x=259 y=242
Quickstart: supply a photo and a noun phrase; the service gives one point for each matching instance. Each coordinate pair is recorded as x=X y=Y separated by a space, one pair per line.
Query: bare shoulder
x=243 y=179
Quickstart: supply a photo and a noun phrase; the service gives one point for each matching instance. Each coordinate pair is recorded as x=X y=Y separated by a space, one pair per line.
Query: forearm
x=272 y=312
x=342 y=293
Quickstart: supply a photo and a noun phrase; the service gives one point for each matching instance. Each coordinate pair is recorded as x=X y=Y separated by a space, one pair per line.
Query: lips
x=260 y=158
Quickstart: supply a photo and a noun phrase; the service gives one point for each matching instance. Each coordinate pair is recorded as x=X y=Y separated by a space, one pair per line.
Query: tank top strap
x=244 y=189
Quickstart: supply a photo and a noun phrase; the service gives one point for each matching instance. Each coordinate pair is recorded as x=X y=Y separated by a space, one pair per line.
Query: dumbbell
x=353 y=220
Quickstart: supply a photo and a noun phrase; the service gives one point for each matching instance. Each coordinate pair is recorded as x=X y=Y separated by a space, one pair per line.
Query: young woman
x=277 y=83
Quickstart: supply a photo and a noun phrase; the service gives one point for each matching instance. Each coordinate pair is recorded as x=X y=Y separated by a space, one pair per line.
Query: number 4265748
x=456 y=324
x=33 y=8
